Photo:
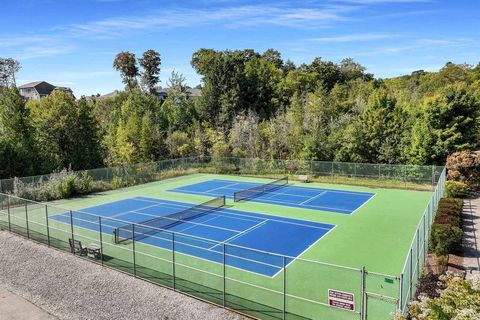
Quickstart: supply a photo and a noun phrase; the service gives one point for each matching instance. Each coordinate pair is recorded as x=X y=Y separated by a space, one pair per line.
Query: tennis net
x=141 y=230
x=259 y=190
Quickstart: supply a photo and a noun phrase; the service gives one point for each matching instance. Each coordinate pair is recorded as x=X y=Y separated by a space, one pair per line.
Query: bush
x=445 y=239
x=456 y=189
x=464 y=166
x=458 y=299
x=449 y=212
x=428 y=286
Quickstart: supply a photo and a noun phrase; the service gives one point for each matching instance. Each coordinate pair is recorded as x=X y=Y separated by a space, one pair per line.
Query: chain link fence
x=301 y=289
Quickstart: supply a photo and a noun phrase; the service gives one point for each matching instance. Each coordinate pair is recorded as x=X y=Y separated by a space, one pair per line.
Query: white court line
x=306 y=249
x=205 y=225
x=244 y=232
x=363 y=204
x=225 y=214
x=228 y=214
x=182 y=221
x=223 y=187
x=313 y=198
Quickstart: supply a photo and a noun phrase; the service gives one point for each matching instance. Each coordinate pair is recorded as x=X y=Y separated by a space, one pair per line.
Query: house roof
x=30 y=84
x=109 y=95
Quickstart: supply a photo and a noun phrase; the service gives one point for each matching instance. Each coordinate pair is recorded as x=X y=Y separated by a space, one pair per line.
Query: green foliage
x=17 y=145
x=66 y=132
x=464 y=166
x=445 y=239
x=126 y=64
x=456 y=189
x=150 y=62
x=459 y=299
x=446 y=234
x=58 y=185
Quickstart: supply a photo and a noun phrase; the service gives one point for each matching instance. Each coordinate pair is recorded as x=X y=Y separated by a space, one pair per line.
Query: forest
x=254 y=105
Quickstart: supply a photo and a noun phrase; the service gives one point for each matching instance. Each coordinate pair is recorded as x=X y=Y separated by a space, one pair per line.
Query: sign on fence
x=342 y=300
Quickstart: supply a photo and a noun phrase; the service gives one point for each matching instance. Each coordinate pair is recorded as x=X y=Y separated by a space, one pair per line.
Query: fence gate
x=376 y=306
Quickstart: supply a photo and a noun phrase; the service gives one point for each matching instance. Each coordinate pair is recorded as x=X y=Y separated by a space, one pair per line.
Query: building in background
x=39 y=89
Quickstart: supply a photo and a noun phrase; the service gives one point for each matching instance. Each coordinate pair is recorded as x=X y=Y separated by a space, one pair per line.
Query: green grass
x=377 y=237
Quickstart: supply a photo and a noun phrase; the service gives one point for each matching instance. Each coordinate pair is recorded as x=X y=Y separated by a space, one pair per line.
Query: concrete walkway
x=471 y=235
x=14 y=307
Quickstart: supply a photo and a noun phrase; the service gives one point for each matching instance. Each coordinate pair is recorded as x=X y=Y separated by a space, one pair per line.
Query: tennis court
x=251 y=241
x=339 y=201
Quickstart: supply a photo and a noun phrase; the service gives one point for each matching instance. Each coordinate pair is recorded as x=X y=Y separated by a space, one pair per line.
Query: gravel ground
x=72 y=288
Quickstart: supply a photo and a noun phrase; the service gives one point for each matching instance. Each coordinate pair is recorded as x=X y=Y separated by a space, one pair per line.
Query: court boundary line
x=354 y=211
x=267 y=201
x=241 y=234
x=227 y=213
x=296 y=186
x=304 y=251
x=186 y=207
x=313 y=198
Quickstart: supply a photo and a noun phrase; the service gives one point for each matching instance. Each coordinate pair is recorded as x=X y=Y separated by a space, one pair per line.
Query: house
x=162 y=93
x=39 y=89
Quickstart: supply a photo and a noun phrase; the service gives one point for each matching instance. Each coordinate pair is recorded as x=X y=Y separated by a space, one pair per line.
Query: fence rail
x=299 y=290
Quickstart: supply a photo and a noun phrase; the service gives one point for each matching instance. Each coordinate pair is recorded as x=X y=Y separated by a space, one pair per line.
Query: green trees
x=17 y=146
x=126 y=64
x=252 y=105
x=150 y=62
x=66 y=132
x=448 y=123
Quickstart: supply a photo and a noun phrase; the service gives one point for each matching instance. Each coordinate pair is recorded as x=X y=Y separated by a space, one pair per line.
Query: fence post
x=224 y=277
x=410 y=282
x=48 y=228
x=71 y=228
x=8 y=214
x=363 y=300
x=26 y=220
x=173 y=261
x=284 y=263
x=101 y=238
x=133 y=251
x=400 y=305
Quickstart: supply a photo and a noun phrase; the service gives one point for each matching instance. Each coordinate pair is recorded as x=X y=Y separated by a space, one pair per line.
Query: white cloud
x=355 y=37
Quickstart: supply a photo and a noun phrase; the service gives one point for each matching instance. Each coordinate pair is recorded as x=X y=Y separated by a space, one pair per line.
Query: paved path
x=14 y=307
x=471 y=235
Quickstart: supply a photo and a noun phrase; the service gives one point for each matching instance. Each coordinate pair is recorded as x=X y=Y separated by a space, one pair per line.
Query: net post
x=100 y=238
x=284 y=295
x=173 y=261
x=224 y=278
x=26 y=219
x=363 y=299
x=48 y=228
x=8 y=214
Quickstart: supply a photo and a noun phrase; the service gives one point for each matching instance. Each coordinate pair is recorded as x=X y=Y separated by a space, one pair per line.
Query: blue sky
x=73 y=43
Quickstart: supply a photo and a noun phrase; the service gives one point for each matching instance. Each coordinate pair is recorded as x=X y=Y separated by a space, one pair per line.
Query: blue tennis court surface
x=300 y=197
x=252 y=242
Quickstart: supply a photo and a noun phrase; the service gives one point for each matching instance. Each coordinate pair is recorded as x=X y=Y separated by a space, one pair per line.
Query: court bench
x=303 y=178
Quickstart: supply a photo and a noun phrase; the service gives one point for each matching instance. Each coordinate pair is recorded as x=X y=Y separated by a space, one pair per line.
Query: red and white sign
x=341 y=299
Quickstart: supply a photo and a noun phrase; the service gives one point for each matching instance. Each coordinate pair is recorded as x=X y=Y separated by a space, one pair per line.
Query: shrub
x=445 y=239
x=456 y=189
x=464 y=166
x=458 y=299
x=117 y=182
x=428 y=286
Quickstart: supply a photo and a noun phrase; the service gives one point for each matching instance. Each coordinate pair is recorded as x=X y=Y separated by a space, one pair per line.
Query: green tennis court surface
x=377 y=237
